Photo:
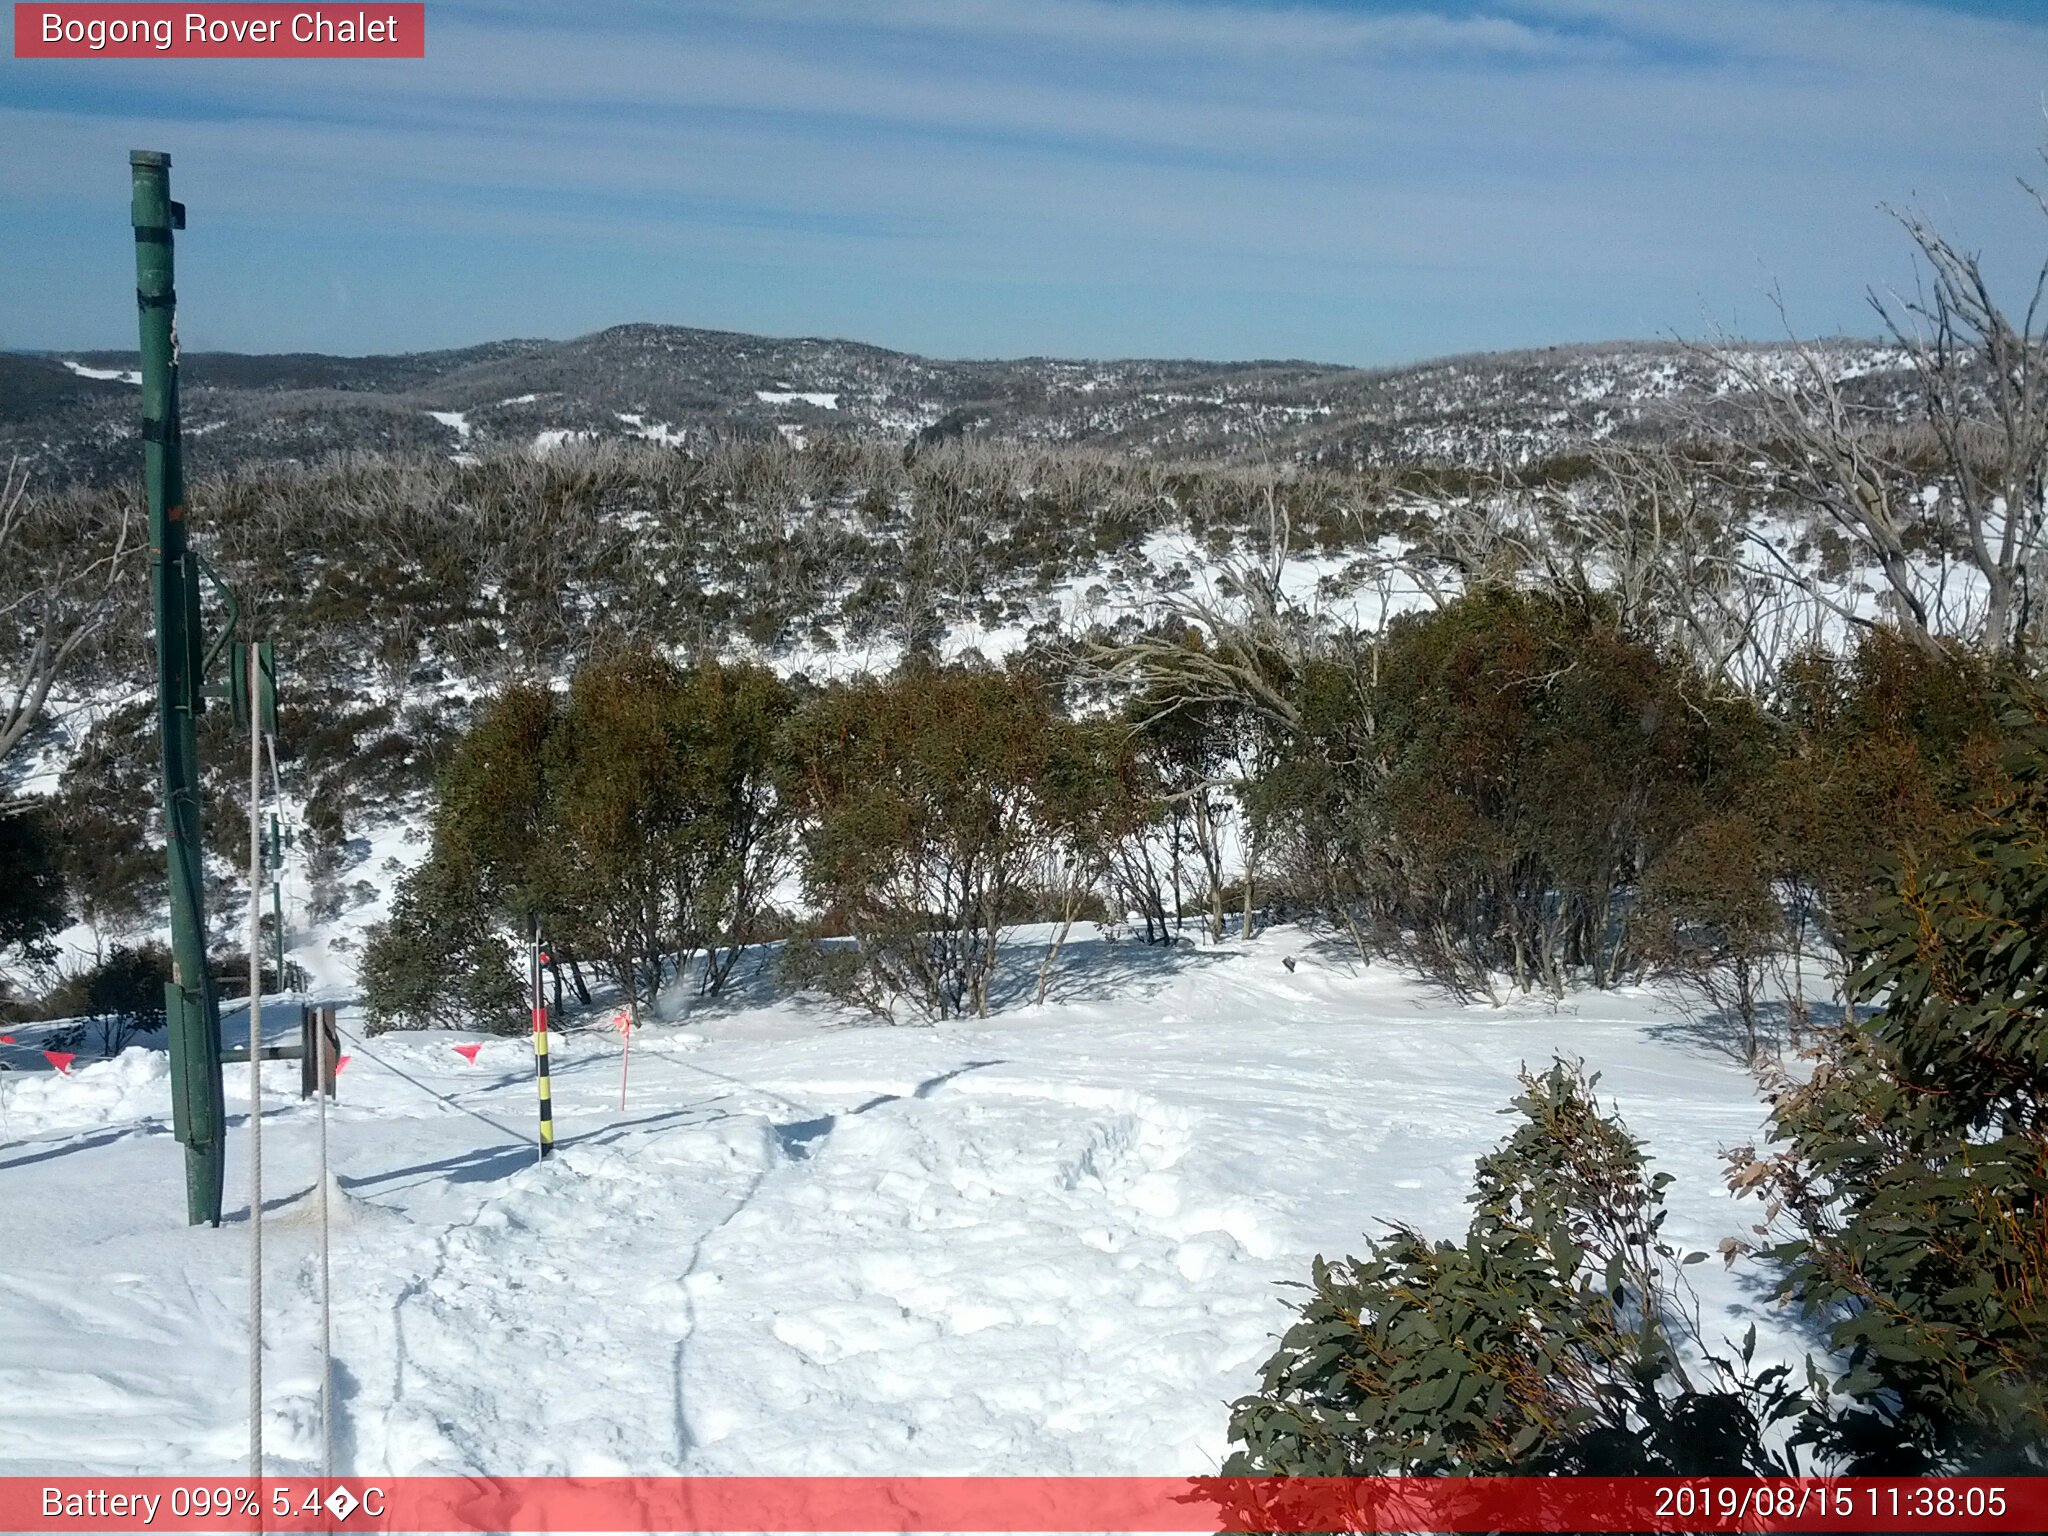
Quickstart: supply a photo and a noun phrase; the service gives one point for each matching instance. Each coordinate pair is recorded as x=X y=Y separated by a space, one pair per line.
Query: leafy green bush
x=31 y=881
x=1546 y=1342
x=1886 y=747
x=1486 y=787
x=1908 y=1203
x=927 y=800
x=639 y=819
x=118 y=998
x=440 y=962
x=665 y=829
x=124 y=993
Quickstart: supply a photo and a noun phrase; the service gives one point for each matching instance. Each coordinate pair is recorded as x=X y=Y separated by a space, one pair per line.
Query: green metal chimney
x=191 y=1010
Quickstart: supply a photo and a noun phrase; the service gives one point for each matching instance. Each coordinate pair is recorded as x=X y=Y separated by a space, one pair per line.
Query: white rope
x=323 y=1074
x=277 y=875
x=255 y=1068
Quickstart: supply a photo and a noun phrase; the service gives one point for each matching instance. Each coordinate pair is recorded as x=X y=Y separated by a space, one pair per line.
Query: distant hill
x=71 y=416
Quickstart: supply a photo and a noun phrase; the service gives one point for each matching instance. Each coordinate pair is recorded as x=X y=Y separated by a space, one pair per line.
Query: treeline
x=648 y=817
x=378 y=567
x=399 y=589
x=1513 y=791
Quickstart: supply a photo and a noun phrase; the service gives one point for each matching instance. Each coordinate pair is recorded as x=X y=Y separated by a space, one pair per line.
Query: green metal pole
x=191 y=1010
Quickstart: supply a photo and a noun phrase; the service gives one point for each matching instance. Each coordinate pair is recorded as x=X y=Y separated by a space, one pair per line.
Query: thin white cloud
x=1235 y=31
x=1563 y=155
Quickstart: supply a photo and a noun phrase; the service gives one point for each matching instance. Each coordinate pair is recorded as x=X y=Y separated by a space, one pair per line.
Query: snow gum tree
x=927 y=800
x=667 y=826
x=638 y=816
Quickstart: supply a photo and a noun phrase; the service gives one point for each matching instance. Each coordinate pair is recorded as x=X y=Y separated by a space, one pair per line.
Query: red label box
x=389 y=1506
x=149 y=31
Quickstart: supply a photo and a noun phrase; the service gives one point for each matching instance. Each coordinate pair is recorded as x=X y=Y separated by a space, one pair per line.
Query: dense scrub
x=639 y=816
x=1515 y=790
x=1492 y=785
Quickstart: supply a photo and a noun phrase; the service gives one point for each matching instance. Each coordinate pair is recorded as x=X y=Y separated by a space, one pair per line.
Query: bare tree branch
x=56 y=598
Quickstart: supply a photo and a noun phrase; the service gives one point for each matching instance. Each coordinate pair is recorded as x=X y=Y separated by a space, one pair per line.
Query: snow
x=124 y=375
x=455 y=419
x=546 y=442
x=823 y=401
x=1049 y=1242
x=655 y=431
x=128 y=1088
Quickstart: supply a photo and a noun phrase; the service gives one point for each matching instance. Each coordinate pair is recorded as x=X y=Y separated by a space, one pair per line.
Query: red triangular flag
x=468 y=1052
x=61 y=1060
x=340 y=1062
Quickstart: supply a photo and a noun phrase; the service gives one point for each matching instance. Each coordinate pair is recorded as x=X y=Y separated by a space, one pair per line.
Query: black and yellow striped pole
x=540 y=1041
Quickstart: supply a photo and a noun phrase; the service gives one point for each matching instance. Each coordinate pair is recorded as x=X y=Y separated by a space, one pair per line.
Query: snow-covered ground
x=1046 y=1243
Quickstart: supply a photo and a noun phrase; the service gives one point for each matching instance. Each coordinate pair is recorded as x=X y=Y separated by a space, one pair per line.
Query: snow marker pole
x=624 y=1019
x=540 y=1042
x=255 y=1079
x=326 y=1080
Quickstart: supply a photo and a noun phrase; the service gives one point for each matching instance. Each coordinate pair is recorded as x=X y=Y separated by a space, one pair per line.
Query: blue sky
x=1361 y=183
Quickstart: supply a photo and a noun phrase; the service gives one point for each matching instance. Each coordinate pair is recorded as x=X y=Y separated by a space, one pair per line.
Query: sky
x=1351 y=183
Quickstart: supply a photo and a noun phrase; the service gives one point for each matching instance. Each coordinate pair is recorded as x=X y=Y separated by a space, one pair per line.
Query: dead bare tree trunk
x=54 y=595
x=1979 y=379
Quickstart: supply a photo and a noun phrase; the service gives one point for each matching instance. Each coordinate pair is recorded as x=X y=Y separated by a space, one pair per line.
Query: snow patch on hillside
x=546 y=442
x=122 y=375
x=654 y=431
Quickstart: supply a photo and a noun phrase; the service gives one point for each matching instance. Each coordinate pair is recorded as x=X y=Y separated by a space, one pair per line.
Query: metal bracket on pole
x=234 y=688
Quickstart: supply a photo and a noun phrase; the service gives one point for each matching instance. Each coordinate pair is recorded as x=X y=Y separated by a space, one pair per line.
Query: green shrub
x=439 y=961
x=1908 y=1202
x=1541 y=1344
x=638 y=818
x=927 y=800
x=116 y=999
x=1886 y=747
x=1486 y=787
x=665 y=830
x=31 y=881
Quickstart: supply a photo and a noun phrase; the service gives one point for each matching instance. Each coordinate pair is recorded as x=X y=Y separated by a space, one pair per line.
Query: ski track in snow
x=1047 y=1243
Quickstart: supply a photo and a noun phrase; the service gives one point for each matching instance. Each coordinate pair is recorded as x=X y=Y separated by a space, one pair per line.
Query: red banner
x=1017 y=1504
x=372 y=31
